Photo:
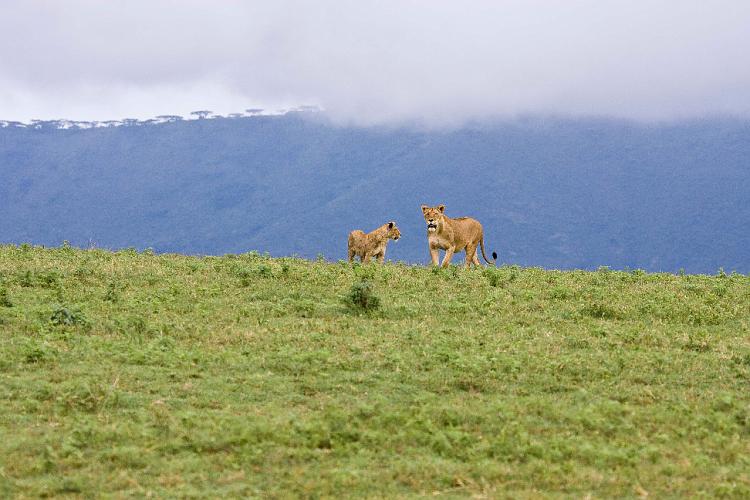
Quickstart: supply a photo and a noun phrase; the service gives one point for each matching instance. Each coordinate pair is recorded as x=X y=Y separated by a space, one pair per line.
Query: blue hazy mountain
x=550 y=192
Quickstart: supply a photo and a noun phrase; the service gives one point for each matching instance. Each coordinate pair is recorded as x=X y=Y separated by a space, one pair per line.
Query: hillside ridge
x=556 y=193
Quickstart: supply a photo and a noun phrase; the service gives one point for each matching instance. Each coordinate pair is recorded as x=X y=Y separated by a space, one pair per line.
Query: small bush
x=112 y=294
x=133 y=327
x=26 y=280
x=30 y=279
x=4 y=299
x=559 y=292
x=304 y=308
x=698 y=342
x=83 y=396
x=67 y=316
x=363 y=272
x=362 y=298
x=601 y=311
x=264 y=271
x=34 y=352
x=493 y=277
x=47 y=280
x=450 y=272
x=248 y=275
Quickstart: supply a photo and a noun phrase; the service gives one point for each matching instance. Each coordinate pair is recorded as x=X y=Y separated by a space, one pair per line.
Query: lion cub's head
x=393 y=232
x=433 y=216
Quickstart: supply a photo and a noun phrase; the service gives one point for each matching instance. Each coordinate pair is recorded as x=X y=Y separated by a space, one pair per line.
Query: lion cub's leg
x=448 y=256
x=381 y=256
x=355 y=245
x=350 y=247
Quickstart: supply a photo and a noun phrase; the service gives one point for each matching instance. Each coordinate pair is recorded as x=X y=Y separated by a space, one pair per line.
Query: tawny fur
x=373 y=244
x=453 y=235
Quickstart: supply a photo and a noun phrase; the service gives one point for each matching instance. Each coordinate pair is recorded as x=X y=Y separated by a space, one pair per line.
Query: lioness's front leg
x=448 y=256
x=366 y=258
x=434 y=255
x=381 y=257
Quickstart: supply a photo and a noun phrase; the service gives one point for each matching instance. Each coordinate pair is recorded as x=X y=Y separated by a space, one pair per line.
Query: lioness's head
x=433 y=216
x=393 y=232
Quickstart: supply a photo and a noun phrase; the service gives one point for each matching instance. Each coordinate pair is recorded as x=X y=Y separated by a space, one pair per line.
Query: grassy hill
x=131 y=373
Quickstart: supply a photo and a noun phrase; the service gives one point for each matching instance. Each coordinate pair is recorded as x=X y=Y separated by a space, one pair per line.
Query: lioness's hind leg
x=471 y=255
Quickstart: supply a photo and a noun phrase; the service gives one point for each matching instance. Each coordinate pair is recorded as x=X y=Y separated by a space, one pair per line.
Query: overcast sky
x=436 y=62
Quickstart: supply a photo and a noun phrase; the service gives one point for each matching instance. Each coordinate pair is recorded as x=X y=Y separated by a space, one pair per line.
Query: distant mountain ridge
x=196 y=115
x=557 y=193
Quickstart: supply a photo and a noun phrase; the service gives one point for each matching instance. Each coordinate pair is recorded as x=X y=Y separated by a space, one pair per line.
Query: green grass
x=131 y=374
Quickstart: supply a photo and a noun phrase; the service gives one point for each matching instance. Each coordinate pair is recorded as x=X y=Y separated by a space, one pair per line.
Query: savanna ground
x=133 y=374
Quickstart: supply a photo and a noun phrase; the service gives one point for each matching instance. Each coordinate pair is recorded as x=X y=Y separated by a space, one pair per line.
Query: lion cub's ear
x=441 y=208
x=424 y=208
x=391 y=224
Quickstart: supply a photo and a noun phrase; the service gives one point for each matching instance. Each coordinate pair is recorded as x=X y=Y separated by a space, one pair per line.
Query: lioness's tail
x=494 y=254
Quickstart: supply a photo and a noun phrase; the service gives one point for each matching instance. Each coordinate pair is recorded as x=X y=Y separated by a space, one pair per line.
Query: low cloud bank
x=433 y=62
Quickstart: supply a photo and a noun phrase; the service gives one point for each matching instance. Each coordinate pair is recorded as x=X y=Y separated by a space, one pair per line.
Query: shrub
x=501 y=277
x=112 y=294
x=698 y=342
x=26 y=280
x=248 y=275
x=600 y=311
x=4 y=299
x=36 y=352
x=30 y=279
x=493 y=276
x=364 y=273
x=559 y=292
x=67 y=316
x=362 y=298
x=48 y=279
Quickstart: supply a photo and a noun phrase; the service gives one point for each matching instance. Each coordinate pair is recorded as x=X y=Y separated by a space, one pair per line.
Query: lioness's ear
x=391 y=224
x=441 y=208
x=424 y=208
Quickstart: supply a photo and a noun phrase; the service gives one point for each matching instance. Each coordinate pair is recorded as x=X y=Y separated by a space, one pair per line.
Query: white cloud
x=375 y=62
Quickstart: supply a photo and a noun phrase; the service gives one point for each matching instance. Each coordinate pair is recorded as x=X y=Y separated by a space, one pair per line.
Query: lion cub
x=369 y=245
x=453 y=235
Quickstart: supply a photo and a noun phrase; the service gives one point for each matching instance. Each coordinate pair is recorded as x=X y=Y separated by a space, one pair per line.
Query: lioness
x=372 y=244
x=453 y=235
